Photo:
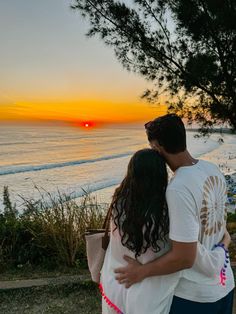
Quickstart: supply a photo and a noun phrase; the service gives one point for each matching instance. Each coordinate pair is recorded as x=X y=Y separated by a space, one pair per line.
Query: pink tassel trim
x=222 y=278
x=108 y=301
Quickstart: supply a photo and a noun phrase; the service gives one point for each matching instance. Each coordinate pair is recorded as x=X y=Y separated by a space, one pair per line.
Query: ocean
x=72 y=159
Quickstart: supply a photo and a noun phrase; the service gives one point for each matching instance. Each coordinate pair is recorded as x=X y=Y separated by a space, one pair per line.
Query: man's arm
x=210 y=262
x=181 y=256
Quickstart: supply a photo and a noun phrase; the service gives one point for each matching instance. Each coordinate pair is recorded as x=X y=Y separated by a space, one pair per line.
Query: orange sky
x=94 y=110
x=51 y=71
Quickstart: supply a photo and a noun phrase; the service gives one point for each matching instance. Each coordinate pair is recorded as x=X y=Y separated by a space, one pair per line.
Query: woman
x=140 y=227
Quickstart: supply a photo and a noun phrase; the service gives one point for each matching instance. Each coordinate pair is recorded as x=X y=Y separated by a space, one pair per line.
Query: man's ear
x=155 y=145
x=151 y=144
x=160 y=149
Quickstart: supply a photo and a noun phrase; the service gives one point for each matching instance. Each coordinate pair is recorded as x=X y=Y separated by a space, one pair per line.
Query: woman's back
x=139 y=228
x=151 y=296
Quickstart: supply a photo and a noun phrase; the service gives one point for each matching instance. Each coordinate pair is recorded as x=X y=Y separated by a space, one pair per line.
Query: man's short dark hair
x=169 y=131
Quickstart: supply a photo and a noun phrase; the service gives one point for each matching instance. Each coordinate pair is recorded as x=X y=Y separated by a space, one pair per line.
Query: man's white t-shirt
x=196 y=197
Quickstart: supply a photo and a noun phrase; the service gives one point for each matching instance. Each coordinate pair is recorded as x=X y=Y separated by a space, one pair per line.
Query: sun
x=87 y=124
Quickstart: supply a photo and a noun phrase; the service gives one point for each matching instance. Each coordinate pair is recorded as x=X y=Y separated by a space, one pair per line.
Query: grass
x=82 y=298
x=29 y=272
x=79 y=298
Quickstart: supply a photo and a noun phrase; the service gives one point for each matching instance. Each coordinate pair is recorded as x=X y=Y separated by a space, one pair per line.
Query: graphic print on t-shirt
x=213 y=213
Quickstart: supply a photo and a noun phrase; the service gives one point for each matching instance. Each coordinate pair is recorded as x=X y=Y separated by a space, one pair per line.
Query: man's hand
x=130 y=274
x=226 y=239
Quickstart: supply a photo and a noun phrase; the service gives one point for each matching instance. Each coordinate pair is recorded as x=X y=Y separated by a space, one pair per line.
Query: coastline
x=62 y=164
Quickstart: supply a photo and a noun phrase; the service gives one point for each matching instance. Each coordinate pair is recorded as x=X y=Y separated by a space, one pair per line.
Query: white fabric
x=196 y=199
x=209 y=263
x=151 y=296
x=106 y=309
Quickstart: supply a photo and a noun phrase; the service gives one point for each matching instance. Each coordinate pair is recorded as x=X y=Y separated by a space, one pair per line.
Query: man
x=196 y=198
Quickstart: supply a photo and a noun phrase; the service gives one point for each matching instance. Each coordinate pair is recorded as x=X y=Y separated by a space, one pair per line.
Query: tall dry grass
x=55 y=227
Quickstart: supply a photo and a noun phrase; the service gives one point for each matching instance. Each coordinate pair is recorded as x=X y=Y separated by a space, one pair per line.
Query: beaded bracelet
x=223 y=270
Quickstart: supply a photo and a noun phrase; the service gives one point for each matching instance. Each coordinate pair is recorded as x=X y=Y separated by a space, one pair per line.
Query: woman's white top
x=151 y=296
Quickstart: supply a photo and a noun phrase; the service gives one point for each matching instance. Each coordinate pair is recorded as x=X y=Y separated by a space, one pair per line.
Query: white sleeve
x=184 y=224
x=209 y=262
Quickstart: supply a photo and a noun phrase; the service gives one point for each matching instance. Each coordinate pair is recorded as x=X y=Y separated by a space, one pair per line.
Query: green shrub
x=49 y=231
x=231 y=217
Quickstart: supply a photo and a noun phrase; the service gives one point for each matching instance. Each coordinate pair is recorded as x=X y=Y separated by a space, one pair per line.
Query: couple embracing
x=168 y=250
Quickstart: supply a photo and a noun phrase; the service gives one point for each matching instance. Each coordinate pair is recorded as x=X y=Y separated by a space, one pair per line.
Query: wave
x=81 y=190
x=17 y=143
x=75 y=192
x=31 y=168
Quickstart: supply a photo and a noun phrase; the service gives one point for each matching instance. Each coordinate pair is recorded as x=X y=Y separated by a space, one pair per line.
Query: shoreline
x=102 y=177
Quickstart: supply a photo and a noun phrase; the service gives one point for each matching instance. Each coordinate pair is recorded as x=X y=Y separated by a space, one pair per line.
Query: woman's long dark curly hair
x=139 y=207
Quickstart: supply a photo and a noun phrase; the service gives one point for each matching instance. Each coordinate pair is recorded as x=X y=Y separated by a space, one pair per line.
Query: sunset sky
x=51 y=71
